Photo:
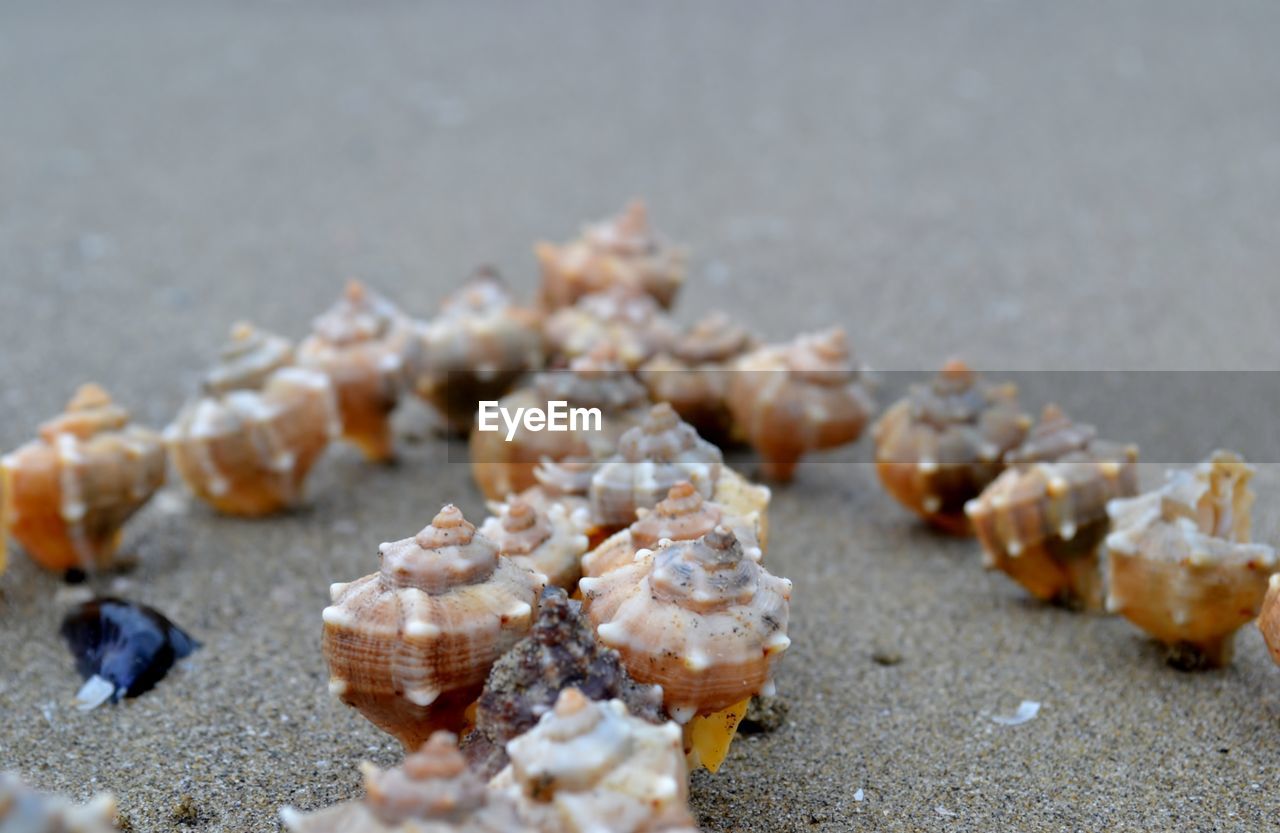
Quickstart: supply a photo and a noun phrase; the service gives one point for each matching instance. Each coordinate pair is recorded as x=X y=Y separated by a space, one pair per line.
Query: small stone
x=185 y=811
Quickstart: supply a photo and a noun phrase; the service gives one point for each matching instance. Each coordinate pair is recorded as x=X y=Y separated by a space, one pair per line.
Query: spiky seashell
x=1044 y=519
x=479 y=345
x=591 y=766
x=699 y=618
x=369 y=350
x=790 y=399
x=246 y=445
x=627 y=319
x=432 y=791
x=622 y=251
x=410 y=645
x=551 y=541
x=682 y=515
x=67 y=494
x=652 y=457
x=501 y=467
x=23 y=810
x=693 y=374
x=939 y=447
x=1269 y=620
x=1180 y=565
x=560 y=652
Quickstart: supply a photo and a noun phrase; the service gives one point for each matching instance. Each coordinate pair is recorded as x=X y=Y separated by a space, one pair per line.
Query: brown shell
x=409 y=646
x=67 y=494
x=939 y=447
x=476 y=349
x=548 y=541
x=623 y=251
x=1269 y=620
x=1180 y=565
x=788 y=400
x=369 y=350
x=1044 y=519
x=626 y=319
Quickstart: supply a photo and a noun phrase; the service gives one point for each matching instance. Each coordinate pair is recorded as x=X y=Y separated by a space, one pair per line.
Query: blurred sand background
x=1035 y=185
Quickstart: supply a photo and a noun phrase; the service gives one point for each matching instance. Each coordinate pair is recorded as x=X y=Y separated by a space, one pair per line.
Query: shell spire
x=549 y=541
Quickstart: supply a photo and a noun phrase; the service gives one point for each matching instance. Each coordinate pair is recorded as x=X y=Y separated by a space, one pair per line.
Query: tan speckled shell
x=1044 y=519
x=591 y=766
x=369 y=350
x=246 y=446
x=409 y=646
x=23 y=810
x=622 y=251
x=627 y=320
x=698 y=618
x=788 y=400
x=941 y=445
x=549 y=541
x=1179 y=563
x=67 y=494
x=1269 y=619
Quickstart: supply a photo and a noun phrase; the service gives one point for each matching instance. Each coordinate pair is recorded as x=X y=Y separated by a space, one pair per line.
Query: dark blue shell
x=129 y=645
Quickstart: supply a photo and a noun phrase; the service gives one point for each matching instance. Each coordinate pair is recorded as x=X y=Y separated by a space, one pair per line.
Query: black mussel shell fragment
x=122 y=649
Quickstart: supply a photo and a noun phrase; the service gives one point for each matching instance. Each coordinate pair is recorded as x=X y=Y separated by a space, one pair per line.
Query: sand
x=1034 y=185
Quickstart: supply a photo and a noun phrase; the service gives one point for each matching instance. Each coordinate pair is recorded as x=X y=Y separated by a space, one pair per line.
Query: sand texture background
x=1034 y=185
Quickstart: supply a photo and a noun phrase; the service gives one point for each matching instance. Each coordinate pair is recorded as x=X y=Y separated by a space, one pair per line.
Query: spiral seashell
x=410 y=645
x=683 y=515
x=1180 y=565
x=623 y=251
x=652 y=457
x=432 y=791
x=699 y=618
x=1044 y=519
x=591 y=766
x=23 y=810
x=787 y=400
x=626 y=319
x=1269 y=620
x=551 y=541
x=246 y=445
x=941 y=445
x=67 y=494
x=369 y=350
x=476 y=349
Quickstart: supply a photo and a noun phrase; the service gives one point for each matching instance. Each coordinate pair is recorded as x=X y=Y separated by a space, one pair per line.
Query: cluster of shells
x=562 y=664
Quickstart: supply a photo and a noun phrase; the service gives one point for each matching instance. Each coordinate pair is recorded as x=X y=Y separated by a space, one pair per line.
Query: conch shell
x=479 y=345
x=1269 y=621
x=432 y=791
x=369 y=350
x=23 y=810
x=591 y=766
x=627 y=319
x=1180 y=565
x=247 y=444
x=549 y=541
x=67 y=494
x=623 y=251
x=409 y=646
x=787 y=400
x=1043 y=520
x=941 y=445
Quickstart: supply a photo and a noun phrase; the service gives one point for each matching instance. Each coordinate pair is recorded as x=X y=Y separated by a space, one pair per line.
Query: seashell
x=1180 y=565
x=693 y=374
x=503 y=467
x=246 y=445
x=623 y=251
x=787 y=400
x=652 y=457
x=1043 y=520
x=476 y=349
x=683 y=515
x=122 y=649
x=410 y=645
x=68 y=493
x=432 y=791
x=626 y=319
x=23 y=810
x=1269 y=620
x=560 y=652
x=591 y=766
x=369 y=350
x=939 y=447
x=549 y=541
